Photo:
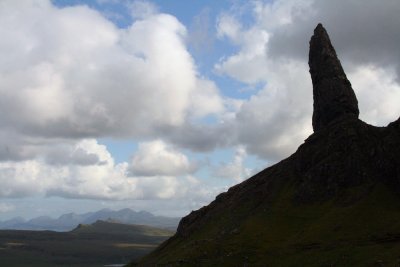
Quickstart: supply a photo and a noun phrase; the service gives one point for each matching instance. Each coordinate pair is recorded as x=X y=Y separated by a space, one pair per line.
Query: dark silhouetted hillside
x=334 y=202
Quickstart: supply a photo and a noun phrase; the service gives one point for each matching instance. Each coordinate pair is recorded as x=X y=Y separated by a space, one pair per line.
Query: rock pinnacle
x=334 y=97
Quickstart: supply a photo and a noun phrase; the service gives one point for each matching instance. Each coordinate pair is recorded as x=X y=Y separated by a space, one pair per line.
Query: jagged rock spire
x=333 y=95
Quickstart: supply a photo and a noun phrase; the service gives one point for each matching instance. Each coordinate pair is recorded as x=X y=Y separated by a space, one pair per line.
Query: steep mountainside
x=334 y=202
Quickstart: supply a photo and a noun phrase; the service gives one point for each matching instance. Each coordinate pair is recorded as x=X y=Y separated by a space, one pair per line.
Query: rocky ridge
x=344 y=179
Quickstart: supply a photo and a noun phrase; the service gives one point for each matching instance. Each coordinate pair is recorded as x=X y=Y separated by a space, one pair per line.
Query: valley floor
x=98 y=245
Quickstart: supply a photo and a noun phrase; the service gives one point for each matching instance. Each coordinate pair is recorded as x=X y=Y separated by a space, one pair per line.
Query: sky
x=161 y=105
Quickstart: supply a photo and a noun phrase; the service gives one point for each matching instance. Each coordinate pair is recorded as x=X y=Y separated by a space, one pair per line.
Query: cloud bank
x=69 y=76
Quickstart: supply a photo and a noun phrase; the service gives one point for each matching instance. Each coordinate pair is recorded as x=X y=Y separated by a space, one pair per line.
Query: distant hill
x=334 y=202
x=111 y=227
x=98 y=244
x=69 y=221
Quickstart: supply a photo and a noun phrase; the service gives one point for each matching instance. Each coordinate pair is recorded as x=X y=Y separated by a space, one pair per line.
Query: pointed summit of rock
x=339 y=192
x=334 y=97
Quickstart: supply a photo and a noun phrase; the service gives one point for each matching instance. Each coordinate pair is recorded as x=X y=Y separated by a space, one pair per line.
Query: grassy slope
x=90 y=245
x=329 y=204
x=365 y=232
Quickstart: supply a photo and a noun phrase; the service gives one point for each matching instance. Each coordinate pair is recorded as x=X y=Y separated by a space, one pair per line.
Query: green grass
x=341 y=232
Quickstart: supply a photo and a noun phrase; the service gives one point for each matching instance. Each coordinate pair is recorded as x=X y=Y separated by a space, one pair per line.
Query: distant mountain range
x=69 y=221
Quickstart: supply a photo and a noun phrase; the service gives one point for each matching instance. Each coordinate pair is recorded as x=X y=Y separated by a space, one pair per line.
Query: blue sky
x=161 y=105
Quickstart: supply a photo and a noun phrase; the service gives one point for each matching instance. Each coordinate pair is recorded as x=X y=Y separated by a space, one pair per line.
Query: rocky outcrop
x=333 y=96
x=345 y=167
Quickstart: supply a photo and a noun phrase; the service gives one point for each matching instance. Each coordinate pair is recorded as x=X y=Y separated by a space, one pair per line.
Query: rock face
x=333 y=96
x=334 y=202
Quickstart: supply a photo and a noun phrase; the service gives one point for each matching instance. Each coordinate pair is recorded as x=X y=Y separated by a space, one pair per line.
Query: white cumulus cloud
x=158 y=158
x=107 y=180
x=70 y=72
x=236 y=169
